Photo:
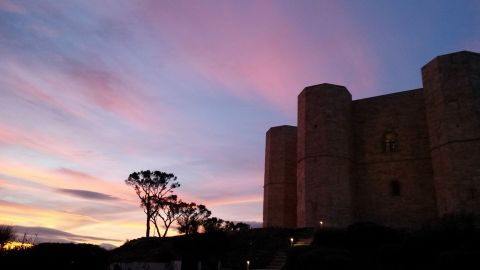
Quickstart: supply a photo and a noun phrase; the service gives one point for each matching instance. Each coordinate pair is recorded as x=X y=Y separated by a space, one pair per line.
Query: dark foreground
x=446 y=245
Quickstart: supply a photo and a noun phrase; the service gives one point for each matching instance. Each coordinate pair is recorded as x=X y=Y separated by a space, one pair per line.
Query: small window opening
x=395 y=188
x=390 y=142
x=473 y=193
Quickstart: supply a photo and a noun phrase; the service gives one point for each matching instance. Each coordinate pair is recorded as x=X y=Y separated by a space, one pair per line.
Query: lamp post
x=248 y=265
x=291 y=242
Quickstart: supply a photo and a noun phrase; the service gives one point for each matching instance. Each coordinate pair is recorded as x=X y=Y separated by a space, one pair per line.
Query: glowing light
x=17 y=245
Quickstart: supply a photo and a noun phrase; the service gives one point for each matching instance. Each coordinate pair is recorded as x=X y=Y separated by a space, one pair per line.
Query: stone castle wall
x=279 y=207
x=409 y=166
x=452 y=95
x=400 y=159
x=324 y=156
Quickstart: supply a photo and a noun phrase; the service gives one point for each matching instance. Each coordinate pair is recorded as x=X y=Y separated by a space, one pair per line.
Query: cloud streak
x=43 y=235
x=86 y=194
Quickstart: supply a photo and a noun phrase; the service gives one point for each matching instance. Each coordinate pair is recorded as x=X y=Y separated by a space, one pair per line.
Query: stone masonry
x=280 y=191
x=401 y=159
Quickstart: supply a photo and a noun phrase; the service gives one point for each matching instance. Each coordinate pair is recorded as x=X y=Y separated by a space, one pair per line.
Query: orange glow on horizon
x=17 y=245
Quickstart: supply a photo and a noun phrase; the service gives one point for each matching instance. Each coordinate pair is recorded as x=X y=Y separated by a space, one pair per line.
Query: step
x=303 y=242
x=278 y=261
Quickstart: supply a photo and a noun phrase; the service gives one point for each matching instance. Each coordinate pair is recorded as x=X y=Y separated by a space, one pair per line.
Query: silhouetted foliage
x=6 y=235
x=213 y=224
x=191 y=217
x=168 y=212
x=152 y=188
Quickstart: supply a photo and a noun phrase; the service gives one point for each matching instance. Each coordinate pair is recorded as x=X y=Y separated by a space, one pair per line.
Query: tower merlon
x=327 y=88
x=456 y=57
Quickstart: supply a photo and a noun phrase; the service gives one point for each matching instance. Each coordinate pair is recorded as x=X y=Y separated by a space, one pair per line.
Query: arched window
x=390 y=142
x=395 y=188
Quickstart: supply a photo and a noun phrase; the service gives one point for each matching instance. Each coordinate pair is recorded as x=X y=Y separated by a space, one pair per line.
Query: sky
x=91 y=91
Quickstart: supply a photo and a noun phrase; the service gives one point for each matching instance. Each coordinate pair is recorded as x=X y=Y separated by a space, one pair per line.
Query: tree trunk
x=148 y=226
x=166 y=230
x=156 y=227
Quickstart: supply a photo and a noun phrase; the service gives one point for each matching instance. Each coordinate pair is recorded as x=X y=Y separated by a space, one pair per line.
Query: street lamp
x=291 y=242
x=248 y=265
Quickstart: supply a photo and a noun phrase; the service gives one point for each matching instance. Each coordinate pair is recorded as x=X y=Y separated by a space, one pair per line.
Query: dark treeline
x=56 y=256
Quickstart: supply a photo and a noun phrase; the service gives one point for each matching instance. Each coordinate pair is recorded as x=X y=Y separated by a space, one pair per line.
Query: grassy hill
x=233 y=249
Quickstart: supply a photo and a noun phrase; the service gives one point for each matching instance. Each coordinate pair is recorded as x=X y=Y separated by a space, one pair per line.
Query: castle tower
x=280 y=189
x=452 y=98
x=324 y=157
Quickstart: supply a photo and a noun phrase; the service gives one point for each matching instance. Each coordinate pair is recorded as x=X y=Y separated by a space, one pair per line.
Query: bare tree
x=151 y=188
x=168 y=211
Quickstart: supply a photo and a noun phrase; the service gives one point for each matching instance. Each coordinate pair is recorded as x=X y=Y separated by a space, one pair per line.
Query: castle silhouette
x=399 y=160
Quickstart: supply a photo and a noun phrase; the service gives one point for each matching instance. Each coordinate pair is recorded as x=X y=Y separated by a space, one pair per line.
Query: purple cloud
x=44 y=234
x=86 y=194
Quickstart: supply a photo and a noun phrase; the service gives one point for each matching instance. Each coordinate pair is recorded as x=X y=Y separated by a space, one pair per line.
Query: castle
x=400 y=160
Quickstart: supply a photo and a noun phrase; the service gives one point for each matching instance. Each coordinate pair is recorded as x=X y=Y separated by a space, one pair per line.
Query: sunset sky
x=91 y=91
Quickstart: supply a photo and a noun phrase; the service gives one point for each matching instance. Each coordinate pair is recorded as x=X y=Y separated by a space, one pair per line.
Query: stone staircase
x=281 y=257
x=277 y=263
x=303 y=242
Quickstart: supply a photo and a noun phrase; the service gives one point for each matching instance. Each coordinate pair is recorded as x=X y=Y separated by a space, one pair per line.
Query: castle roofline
x=448 y=55
x=390 y=94
x=282 y=127
x=325 y=86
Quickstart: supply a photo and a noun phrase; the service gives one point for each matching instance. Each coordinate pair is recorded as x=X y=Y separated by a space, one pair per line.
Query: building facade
x=400 y=159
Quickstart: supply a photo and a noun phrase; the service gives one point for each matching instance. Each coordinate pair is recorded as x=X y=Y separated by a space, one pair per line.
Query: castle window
x=395 y=188
x=473 y=193
x=390 y=142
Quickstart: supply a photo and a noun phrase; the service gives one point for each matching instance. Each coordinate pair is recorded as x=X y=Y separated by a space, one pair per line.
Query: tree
x=168 y=211
x=152 y=188
x=212 y=224
x=191 y=217
x=6 y=235
x=240 y=226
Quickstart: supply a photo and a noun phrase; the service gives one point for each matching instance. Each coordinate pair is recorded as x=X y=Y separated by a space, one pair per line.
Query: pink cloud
x=42 y=143
x=22 y=84
x=74 y=173
x=275 y=60
x=13 y=7
x=84 y=100
x=112 y=93
x=78 y=89
x=235 y=200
